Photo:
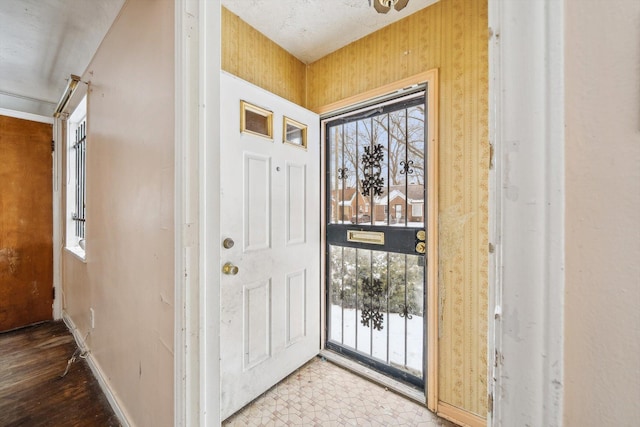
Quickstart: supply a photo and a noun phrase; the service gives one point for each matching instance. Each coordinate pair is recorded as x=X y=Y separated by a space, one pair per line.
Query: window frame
x=76 y=191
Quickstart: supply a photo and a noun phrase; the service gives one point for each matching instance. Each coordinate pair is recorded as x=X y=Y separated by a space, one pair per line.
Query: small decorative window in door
x=294 y=133
x=256 y=120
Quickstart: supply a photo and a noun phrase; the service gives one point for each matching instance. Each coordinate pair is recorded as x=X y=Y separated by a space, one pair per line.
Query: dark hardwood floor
x=32 y=392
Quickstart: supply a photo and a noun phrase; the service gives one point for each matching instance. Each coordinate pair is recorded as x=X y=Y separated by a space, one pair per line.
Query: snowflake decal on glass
x=371 y=160
x=371 y=315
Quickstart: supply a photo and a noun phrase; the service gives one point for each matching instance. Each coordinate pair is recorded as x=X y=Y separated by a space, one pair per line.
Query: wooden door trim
x=460 y=416
x=430 y=77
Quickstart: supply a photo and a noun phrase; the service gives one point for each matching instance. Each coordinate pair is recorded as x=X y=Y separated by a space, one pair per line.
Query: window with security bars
x=76 y=179
x=80 y=187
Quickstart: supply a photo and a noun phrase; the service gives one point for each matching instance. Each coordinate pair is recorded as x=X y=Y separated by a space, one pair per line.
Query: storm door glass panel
x=398 y=160
x=380 y=136
x=406 y=296
x=364 y=275
x=355 y=147
x=342 y=294
x=379 y=301
x=414 y=168
x=335 y=295
x=412 y=312
x=375 y=243
x=337 y=175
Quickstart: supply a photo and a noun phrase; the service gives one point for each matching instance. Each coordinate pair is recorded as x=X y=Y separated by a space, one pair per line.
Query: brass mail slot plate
x=370 y=237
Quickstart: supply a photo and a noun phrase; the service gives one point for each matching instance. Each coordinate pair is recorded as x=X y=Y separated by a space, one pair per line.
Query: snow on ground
x=374 y=343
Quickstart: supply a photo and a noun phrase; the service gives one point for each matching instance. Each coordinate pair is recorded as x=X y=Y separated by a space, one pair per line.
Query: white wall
x=128 y=277
x=602 y=305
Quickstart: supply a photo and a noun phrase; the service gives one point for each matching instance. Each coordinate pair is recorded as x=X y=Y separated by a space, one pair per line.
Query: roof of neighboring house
x=415 y=192
x=345 y=194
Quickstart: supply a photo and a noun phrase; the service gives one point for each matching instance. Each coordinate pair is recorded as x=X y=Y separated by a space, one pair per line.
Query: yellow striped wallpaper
x=250 y=55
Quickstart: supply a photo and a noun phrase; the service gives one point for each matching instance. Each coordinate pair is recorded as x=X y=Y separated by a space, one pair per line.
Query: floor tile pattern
x=323 y=394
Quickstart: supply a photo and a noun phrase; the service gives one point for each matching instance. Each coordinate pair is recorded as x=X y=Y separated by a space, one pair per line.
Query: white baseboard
x=97 y=372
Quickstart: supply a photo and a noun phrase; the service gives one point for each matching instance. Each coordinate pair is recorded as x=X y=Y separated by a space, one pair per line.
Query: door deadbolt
x=230 y=269
x=228 y=243
x=421 y=235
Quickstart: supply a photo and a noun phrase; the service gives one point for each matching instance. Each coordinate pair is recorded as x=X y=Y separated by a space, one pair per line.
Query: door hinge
x=490 y=402
x=53 y=293
x=53 y=145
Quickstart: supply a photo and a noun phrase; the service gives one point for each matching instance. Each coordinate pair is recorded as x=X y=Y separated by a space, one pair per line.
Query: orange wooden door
x=26 y=224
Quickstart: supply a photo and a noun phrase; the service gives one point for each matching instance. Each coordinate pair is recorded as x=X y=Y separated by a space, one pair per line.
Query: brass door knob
x=421 y=247
x=229 y=268
x=228 y=243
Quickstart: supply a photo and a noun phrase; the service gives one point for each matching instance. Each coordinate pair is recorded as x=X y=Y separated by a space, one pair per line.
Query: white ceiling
x=310 y=29
x=42 y=42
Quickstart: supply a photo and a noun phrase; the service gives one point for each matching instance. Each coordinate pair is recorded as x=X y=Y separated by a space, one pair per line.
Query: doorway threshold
x=375 y=377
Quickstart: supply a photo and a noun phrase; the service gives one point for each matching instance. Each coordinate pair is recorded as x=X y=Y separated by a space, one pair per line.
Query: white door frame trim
x=58 y=215
x=185 y=281
x=526 y=96
x=196 y=330
x=209 y=190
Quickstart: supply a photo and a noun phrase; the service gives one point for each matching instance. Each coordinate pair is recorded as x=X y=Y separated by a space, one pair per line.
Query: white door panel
x=270 y=208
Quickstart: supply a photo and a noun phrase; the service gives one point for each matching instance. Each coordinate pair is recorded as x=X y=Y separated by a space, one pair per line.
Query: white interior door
x=270 y=207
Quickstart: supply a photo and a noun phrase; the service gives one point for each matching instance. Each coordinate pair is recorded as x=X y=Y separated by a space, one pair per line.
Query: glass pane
x=364 y=278
x=334 y=165
x=398 y=165
x=257 y=123
x=295 y=132
x=415 y=166
x=359 y=215
x=397 y=327
x=256 y=120
x=349 y=151
x=349 y=297
x=336 y=275
x=381 y=137
x=414 y=316
x=379 y=337
x=366 y=140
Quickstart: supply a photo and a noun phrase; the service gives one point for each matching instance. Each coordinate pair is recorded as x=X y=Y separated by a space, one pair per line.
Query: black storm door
x=376 y=235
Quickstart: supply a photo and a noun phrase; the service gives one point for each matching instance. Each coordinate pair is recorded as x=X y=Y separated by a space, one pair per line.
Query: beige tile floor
x=323 y=394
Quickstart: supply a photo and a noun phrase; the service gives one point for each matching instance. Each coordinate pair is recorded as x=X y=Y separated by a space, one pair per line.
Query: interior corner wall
x=452 y=36
x=253 y=57
x=602 y=159
x=128 y=277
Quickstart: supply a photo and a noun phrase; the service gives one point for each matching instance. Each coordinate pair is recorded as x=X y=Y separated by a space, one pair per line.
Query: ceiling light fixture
x=72 y=84
x=384 y=6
